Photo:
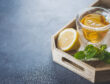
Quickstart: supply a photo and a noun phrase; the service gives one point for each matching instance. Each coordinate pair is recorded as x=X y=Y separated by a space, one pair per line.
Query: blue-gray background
x=26 y=27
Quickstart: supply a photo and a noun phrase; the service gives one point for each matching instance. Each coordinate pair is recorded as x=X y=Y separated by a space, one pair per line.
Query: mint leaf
x=88 y=47
x=103 y=47
x=79 y=55
x=90 y=51
x=107 y=57
x=101 y=56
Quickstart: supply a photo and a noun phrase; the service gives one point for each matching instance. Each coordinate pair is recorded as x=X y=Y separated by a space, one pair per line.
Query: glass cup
x=91 y=32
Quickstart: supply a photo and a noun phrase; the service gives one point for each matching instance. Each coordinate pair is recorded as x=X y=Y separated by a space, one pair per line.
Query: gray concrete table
x=25 y=30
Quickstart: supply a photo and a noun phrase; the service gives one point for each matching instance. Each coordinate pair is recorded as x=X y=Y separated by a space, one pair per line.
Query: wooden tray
x=96 y=71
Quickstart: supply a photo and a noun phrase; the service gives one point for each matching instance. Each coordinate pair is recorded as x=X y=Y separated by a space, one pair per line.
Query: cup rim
x=88 y=27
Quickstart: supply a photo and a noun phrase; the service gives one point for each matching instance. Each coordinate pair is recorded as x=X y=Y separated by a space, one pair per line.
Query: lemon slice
x=68 y=40
x=94 y=20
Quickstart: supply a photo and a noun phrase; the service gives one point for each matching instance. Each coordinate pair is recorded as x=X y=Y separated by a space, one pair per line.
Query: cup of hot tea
x=93 y=25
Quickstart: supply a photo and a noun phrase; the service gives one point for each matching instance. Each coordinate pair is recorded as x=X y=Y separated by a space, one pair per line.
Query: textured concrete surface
x=25 y=30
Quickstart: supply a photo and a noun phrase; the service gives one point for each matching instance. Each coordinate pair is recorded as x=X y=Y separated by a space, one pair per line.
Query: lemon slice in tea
x=94 y=20
x=68 y=40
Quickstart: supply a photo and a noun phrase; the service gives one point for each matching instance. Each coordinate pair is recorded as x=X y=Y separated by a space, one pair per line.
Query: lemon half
x=68 y=40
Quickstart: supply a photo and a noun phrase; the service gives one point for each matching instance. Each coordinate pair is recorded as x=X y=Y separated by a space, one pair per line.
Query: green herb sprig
x=91 y=51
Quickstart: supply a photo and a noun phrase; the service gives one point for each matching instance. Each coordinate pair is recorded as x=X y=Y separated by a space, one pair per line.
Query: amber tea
x=94 y=36
x=95 y=21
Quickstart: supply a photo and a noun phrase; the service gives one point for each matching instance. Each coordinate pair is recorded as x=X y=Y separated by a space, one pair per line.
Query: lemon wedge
x=68 y=40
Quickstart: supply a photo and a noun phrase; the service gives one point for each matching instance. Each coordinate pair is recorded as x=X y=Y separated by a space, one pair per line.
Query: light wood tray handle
x=72 y=64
